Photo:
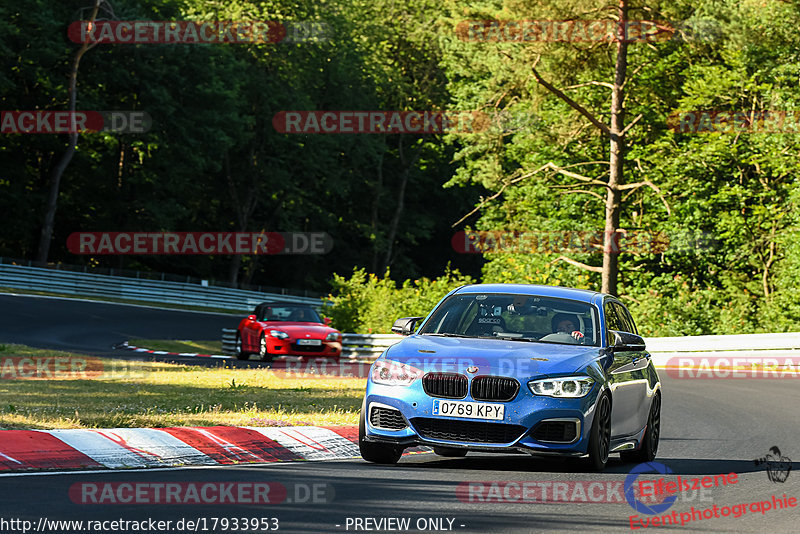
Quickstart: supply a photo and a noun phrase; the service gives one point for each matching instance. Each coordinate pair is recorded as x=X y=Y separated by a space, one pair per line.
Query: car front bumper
x=289 y=347
x=518 y=431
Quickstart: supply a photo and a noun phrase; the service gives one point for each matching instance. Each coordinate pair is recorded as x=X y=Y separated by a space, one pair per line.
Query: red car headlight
x=333 y=336
x=279 y=334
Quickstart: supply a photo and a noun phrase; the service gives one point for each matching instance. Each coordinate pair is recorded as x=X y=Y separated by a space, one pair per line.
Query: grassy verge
x=121 y=393
x=173 y=345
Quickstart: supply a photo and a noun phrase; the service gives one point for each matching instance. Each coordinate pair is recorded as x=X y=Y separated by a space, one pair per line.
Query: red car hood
x=295 y=330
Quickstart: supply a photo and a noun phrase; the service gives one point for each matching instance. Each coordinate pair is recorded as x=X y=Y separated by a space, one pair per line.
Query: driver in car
x=566 y=323
x=298 y=316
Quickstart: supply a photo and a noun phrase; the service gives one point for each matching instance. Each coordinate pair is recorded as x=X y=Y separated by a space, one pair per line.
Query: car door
x=249 y=331
x=627 y=381
x=640 y=362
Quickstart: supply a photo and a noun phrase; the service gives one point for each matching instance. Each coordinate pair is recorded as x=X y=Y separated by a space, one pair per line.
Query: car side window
x=626 y=318
x=612 y=320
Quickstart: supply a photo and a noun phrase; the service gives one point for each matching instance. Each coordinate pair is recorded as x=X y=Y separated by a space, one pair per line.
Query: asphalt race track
x=94 y=328
x=709 y=427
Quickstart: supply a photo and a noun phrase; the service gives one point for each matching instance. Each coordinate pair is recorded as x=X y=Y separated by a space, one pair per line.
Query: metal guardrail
x=367 y=346
x=140 y=290
x=662 y=349
x=228 y=341
x=730 y=346
x=155 y=275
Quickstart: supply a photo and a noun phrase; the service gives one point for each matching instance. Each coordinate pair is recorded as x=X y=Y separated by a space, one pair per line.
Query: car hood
x=316 y=330
x=491 y=356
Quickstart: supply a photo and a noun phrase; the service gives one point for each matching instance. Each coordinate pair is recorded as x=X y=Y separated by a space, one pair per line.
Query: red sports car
x=277 y=329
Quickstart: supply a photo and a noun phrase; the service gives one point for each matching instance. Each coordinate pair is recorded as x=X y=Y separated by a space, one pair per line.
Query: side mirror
x=406 y=325
x=623 y=341
x=327 y=321
x=251 y=317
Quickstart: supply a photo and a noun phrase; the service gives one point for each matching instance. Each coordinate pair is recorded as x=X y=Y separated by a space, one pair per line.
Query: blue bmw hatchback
x=511 y=367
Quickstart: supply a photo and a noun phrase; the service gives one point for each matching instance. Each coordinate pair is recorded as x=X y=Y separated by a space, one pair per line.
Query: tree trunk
x=376 y=205
x=58 y=171
x=243 y=209
x=396 y=218
x=616 y=132
x=401 y=195
x=616 y=158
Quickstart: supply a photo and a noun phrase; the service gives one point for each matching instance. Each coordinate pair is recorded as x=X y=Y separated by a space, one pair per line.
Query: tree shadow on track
x=524 y=463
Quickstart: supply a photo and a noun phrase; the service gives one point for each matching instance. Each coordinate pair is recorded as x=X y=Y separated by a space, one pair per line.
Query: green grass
x=154 y=394
x=173 y=345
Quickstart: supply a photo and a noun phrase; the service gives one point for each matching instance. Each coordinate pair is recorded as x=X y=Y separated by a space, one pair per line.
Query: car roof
x=582 y=295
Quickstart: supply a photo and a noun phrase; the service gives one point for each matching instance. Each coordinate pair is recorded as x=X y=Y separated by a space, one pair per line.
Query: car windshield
x=516 y=318
x=298 y=314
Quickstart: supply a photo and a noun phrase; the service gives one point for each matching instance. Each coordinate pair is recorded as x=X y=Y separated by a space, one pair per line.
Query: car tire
x=377 y=453
x=600 y=433
x=449 y=452
x=649 y=447
x=240 y=354
x=263 y=353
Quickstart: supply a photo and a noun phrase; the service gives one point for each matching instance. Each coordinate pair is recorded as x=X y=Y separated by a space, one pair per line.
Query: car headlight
x=391 y=373
x=333 y=336
x=279 y=334
x=571 y=387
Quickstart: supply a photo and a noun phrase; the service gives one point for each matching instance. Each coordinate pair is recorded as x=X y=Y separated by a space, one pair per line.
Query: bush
x=366 y=304
x=672 y=306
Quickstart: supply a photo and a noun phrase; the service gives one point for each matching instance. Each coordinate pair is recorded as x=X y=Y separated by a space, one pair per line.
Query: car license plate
x=468 y=410
x=316 y=342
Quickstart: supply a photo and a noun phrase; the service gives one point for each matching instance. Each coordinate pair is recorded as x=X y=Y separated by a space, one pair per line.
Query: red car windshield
x=295 y=314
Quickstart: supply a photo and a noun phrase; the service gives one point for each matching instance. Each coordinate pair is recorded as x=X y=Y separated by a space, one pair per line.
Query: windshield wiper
x=444 y=334
x=515 y=338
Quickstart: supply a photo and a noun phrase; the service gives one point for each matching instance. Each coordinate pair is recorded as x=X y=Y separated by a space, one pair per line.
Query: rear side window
x=625 y=318
x=613 y=322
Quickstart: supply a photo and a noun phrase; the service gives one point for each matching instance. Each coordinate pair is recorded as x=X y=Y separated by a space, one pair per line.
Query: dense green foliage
x=213 y=160
x=729 y=202
x=368 y=304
